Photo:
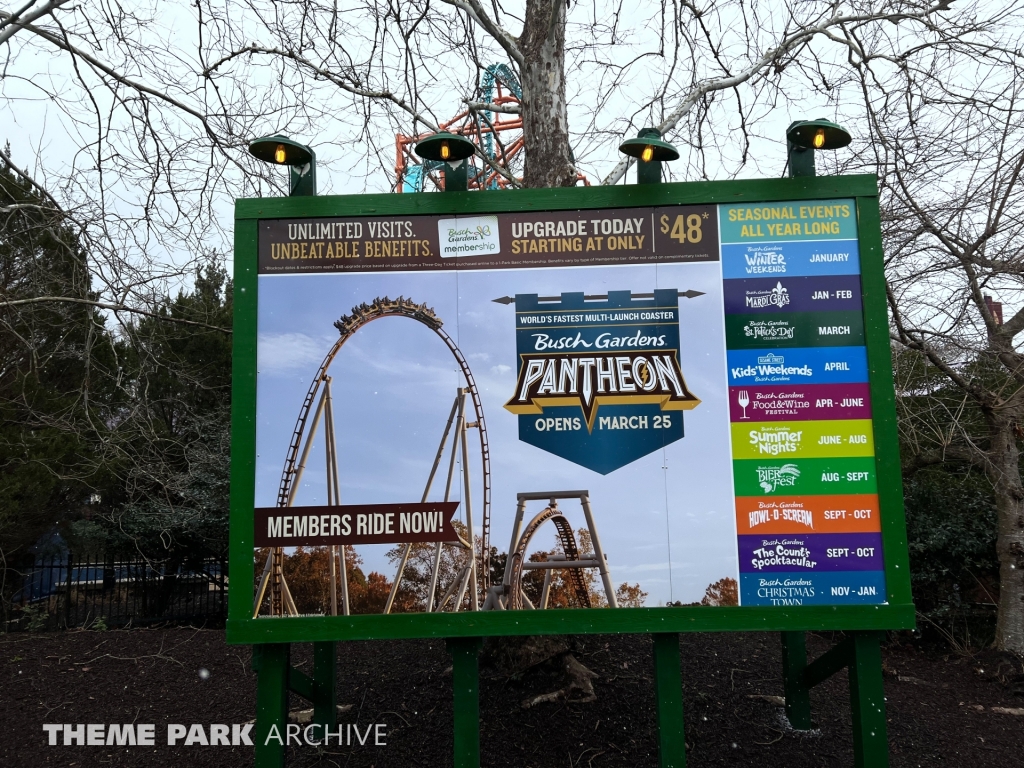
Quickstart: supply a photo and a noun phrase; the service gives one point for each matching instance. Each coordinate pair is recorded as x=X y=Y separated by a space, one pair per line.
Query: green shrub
x=951 y=529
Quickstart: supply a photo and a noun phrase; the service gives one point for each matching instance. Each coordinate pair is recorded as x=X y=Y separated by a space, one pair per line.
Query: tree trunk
x=1004 y=472
x=545 y=118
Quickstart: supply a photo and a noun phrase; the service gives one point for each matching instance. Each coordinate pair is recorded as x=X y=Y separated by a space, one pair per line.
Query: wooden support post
x=798 y=693
x=831 y=661
x=668 y=687
x=325 y=710
x=867 y=700
x=271 y=664
x=466 y=705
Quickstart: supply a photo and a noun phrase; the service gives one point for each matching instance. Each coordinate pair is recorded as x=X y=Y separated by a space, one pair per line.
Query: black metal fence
x=69 y=591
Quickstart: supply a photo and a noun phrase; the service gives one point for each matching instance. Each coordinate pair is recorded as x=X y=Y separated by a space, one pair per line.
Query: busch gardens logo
x=619 y=356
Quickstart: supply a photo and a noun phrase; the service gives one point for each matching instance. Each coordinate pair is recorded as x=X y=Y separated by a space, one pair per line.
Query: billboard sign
x=707 y=361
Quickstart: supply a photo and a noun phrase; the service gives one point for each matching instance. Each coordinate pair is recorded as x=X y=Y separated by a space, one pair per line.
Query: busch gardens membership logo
x=599 y=381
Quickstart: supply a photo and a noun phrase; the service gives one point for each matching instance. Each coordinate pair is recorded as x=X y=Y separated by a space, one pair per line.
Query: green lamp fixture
x=805 y=136
x=651 y=151
x=451 y=149
x=280 y=150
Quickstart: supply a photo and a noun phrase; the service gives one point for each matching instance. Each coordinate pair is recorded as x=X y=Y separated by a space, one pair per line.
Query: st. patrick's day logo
x=599 y=379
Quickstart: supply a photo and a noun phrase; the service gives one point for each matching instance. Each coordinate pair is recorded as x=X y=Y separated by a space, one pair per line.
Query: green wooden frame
x=897 y=613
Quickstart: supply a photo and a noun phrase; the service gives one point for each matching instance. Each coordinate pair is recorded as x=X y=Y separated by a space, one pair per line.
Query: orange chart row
x=855 y=513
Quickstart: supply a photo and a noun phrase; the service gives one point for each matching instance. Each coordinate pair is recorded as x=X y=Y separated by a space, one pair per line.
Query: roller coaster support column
x=668 y=687
x=466 y=705
x=602 y=561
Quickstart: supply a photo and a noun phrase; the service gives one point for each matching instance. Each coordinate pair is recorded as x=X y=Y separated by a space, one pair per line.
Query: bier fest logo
x=599 y=378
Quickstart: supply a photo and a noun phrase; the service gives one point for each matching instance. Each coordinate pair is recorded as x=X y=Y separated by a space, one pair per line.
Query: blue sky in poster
x=394 y=383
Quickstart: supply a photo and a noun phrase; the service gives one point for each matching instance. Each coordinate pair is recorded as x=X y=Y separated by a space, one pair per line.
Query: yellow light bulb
x=819 y=138
x=647 y=154
x=445 y=151
x=279 y=155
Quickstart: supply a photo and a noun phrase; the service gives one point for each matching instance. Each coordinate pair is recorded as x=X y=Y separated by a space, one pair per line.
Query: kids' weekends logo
x=600 y=382
x=772 y=478
x=769 y=366
x=469 y=236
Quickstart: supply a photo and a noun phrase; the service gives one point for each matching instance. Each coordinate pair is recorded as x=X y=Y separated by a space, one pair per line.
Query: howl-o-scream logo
x=599 y=381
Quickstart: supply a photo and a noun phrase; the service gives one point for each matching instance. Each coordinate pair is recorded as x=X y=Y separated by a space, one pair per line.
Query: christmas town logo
x=606 y=376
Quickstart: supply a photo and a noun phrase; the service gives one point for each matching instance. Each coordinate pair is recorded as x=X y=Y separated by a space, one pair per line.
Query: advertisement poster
x=697 y=372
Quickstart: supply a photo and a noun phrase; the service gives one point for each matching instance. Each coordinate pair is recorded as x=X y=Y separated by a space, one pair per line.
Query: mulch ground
x=940 y=707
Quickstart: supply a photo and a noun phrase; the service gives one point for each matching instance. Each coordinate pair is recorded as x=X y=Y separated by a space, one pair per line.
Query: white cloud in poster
x=280 y=353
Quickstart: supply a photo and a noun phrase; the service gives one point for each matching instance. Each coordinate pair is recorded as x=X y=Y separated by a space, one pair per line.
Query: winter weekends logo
x=764 y=260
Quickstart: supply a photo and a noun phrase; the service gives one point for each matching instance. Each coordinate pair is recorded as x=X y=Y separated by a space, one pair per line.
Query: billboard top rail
x=791 y=284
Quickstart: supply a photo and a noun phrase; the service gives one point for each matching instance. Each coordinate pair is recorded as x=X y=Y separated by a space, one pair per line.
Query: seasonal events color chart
x=807 y=512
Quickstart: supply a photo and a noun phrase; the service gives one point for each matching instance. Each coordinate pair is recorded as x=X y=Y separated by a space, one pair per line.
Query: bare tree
x=949 y=149
x=159 y=102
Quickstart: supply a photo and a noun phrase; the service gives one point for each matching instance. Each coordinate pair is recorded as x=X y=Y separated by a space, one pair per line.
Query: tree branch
x=475 y=11
x=15 y=21
x=64 y=44
x=113 y=308
x=771 y=57
x=483 y=106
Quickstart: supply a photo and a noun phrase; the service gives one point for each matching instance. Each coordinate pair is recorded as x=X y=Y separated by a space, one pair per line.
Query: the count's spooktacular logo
x=600 y=382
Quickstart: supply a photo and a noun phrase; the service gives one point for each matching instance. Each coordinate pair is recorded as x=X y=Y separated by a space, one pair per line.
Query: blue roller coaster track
x=416 y=175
